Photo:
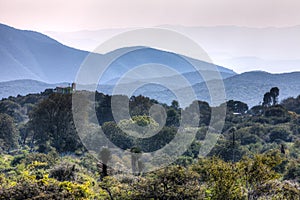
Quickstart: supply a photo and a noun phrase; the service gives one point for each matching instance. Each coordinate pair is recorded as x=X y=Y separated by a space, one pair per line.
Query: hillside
x=247 y=87
x=44 y=154
x=32 y=55
x=24 y=87
x=245 y=48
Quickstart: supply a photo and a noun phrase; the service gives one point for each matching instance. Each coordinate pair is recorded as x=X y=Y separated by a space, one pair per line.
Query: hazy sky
x=72 y=15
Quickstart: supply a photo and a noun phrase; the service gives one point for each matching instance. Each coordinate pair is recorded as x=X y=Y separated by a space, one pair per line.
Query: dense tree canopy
x=260 y=159
x=52 y=124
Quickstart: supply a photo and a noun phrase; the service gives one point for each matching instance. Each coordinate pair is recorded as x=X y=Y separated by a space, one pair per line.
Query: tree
x=12 y=109
x=173 y=182
x=8 y=132
x=139 y=126
x=175 y=104
x=173 y=117
x=237 y=106
x=198 y=110
x=105 y=156
x=117 y=136
x=256 y=110
x=280 y=133
x=52 y=124
x=140 y=105
x=221 y=178
x=271 y=97
x=135 y=156
x=274 y=92
x=267 y=99
x=292 y=104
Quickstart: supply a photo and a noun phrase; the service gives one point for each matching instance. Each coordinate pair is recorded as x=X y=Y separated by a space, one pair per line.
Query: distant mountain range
x=32 y=55
x=247 y=87
x=24 y=87
x=250 y=87
x=240 y=48
x=31 y=62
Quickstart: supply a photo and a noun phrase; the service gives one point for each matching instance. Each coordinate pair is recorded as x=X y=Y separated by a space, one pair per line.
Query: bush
x=280 y=133
x=64 y=172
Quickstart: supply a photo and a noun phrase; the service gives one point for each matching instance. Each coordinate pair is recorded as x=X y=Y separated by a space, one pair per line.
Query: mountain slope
x=248 y=87
x=24 y=87
x=242 y=48
x=31 y=55
x=251 y=86
x=184 y=66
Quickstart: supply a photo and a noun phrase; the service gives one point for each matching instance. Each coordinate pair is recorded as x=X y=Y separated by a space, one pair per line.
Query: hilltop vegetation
x=42 y=156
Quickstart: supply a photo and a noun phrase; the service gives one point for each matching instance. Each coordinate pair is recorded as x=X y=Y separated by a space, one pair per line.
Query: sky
x=73 y=15
x=77 y=15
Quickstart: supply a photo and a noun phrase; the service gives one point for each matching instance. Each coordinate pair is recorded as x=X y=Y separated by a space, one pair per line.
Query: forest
x=257 y=155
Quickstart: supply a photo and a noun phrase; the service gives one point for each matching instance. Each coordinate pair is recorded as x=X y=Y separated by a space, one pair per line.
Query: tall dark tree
x=175 y=104
x=274 y=92
x=52 y=124
x=173 y=117
x=12 y=109
x=105 y=156
x=8 y=132
x=198 y=110
x=267 y=99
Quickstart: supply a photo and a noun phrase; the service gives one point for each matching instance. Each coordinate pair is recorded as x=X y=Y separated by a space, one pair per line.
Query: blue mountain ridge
x=31 y=62
x=32 y=55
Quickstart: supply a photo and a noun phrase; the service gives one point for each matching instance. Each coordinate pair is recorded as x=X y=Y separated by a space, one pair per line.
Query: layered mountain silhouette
x=24 y=87
x=247 y=87
x=31 y=62
x=32 y=55
x=245 y=48
x=250 y=87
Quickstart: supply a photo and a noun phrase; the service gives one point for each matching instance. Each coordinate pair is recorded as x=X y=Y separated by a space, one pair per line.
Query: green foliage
x=280 y=133
x=116 y=135
x=140 y=126
x=52 y=124
x=174 y=182
x=249 y=164
x=271 y=97
x=236 y=107
x=209 y=178
x=277 y=114
x=293 y=171
x=198 y=111
x=27 y=187
x=28 y=158
x=292 y=104
x=173 y=117
x=63 y=172
x=8 y=133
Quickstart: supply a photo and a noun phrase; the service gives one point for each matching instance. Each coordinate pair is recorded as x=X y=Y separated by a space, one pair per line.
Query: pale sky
x=73 y=15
